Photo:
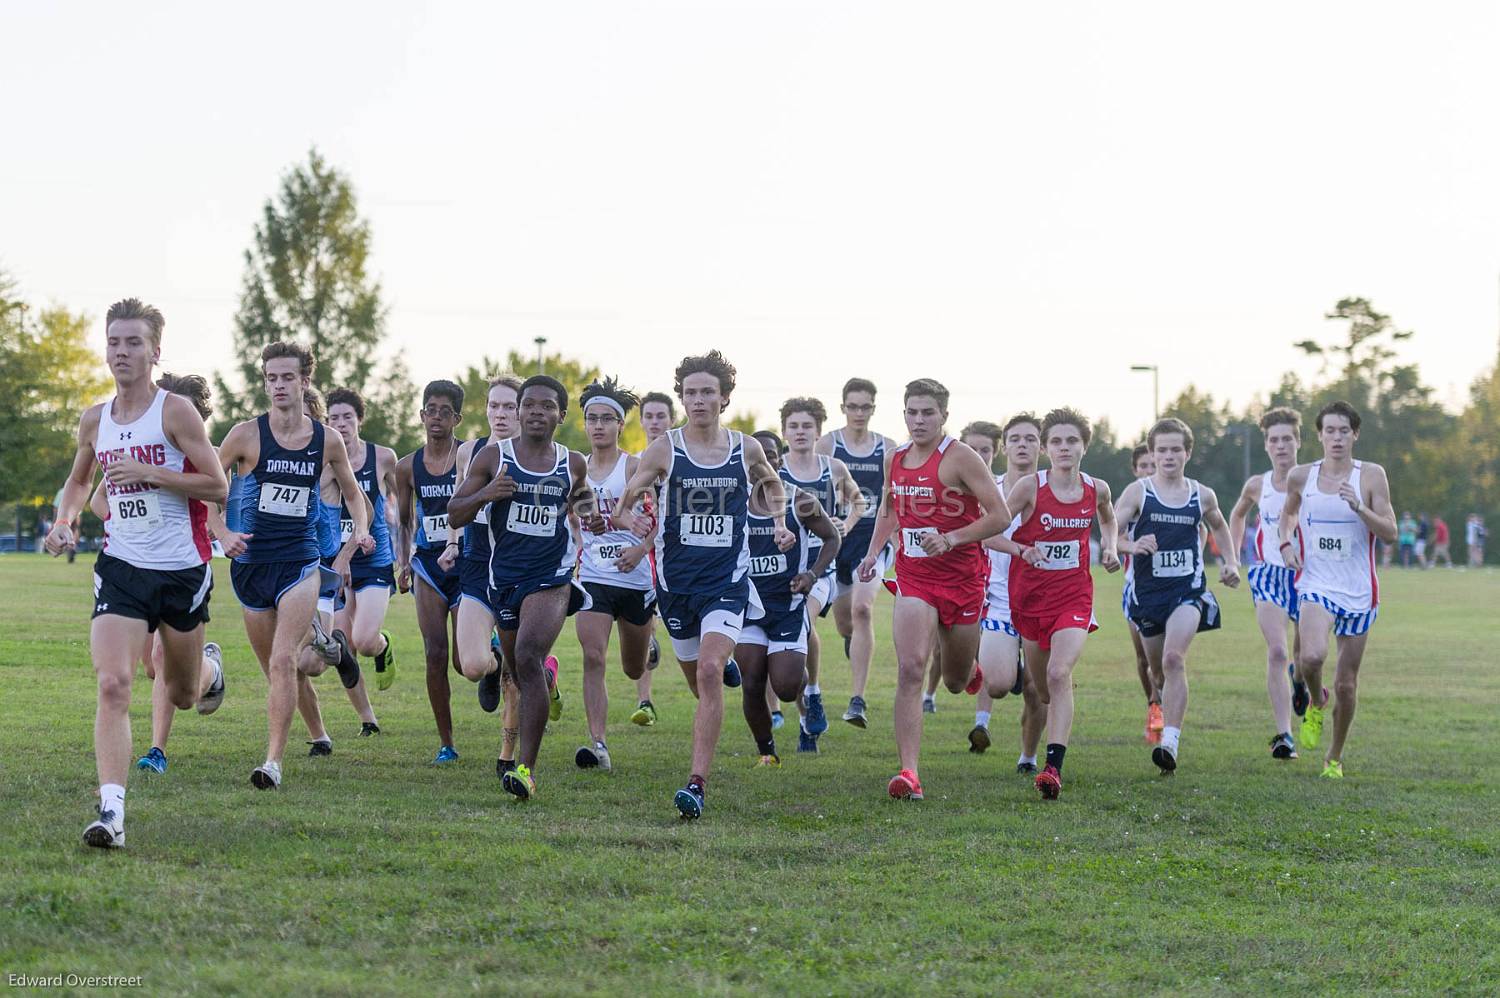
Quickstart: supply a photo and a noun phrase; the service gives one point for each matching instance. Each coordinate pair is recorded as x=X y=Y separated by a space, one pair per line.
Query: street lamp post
x=1155 y=387
x=541 y=363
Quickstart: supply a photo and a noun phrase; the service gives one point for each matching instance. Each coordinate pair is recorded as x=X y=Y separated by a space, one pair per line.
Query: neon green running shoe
x=645 y=714
x=519 y=783
x=1333 y=769
x=385 y=664
x=1312 y=725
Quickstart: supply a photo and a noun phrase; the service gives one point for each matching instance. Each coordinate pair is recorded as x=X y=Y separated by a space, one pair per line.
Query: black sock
x=1055 y=753
x=766 y=746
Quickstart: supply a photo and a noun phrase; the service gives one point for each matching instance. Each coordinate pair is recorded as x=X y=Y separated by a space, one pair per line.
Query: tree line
x=305 y=278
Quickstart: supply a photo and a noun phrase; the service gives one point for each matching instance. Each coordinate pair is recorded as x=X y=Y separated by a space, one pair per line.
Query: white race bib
x=1172 y=563
x=1058 y=556
x=607 y=553
x=435 y=527
x=536 y=521
x=768 y=564
x=346 y=530
x=1329 y=547
x=705 y=530
x=482 y=517
x=136 y=513
x=284 y=500
x=911 y=540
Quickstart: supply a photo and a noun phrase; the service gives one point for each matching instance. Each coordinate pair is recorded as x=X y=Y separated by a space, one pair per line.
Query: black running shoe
x=1282 y=746
x=503 y=766
x=1165 y=759
x=979 y=738
x=368 y=728
x=347 y=665
x=1300 y=697
x=323 y=746
x=1026 y=768
x=489 y=691
x=653 y=654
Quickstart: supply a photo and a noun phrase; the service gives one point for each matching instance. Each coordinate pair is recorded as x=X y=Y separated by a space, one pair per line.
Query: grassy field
x=372 y=872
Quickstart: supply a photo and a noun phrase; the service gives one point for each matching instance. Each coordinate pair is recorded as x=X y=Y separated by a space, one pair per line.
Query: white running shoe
x=210 y=701
x=106 y=833
x=592 y=758
x=266 y=776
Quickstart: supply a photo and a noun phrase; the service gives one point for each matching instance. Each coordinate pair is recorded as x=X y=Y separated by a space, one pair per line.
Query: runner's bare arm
x=403 y=491
x=849 y=491
x=1240 y=514
x=1126 y=509
x=75 y=490
x=975 y=476
x=1213 y=518
x=337 y=458
x=885 y=525
x=184 y=428
x=582 y=502
x=824 y=444
x=821 y=526
x=1296 y=481
x=484 y=483
x=1375 y=503
x=1109 y=555
x=765 y=481
x=654 y=462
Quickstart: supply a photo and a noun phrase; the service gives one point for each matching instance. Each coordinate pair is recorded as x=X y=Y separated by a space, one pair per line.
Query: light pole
x=541 y=364
x=1155 y=388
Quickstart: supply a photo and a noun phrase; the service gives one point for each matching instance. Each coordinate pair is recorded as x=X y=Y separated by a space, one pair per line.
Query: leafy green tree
x=48 y=377
x=305 y=280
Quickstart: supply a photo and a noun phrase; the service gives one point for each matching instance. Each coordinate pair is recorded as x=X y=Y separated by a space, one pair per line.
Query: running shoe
x=732 y=677
x=777 y=720
x=1333 y=769
x=1020 y=683
x=368 y=728
x=266 y=776
x=689 y=801
x=817 y=718
x=214 y=698
x=1049 y=783
x=347 y=665
x=771 y=761
x=503 y=766
x=518 y=782
x=1312 y=724
x=554 y=709
x=445 y=754
x=979 y=738
x=1300 y=697
x=385 y=664
x=929 y=705
x=489 y=691
x=976 y=681
x=1025 y=768
x=905 y=786
x=806 y=742
x=1165 y=758
x=855 y=715
x=154 y=761
x=1154 y=723
x=1282 y=746
x=653 y=654
x=105 y=832
x=323 y=746
x=592 y=758
x=645 y=714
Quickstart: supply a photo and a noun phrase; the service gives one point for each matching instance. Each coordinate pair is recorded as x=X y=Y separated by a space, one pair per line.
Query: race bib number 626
x=134 y=514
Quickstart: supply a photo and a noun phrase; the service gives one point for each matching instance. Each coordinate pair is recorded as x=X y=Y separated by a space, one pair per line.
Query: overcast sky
x=1020 y=200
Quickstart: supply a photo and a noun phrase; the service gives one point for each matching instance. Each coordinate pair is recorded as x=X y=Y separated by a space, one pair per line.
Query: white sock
x=1026 y=760
x=812 y=689
x=112 y=798
x=929 y=698
x=1169 y=736
x=982 y=718
x=325 y=740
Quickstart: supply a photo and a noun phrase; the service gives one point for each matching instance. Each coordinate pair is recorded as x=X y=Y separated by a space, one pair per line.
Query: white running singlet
x=601 y=552
x=997 y=596
x=149 y=527
x=1338 y=550
x=1270 y=503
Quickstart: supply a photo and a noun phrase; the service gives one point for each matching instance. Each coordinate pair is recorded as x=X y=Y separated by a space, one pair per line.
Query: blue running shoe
x=806 y=742
x=817 y=720
x=155 y=761
x=777 y=720
x=732 y=674
x=445 y=754
x=689 y=801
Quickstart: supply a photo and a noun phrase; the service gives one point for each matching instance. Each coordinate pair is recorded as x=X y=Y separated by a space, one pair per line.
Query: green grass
x=373 y=872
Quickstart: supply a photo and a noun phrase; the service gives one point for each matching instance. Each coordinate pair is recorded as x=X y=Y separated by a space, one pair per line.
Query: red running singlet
x=953 y=581
x=1059 y=591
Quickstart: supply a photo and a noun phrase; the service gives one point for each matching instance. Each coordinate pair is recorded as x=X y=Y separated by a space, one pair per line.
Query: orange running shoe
x=975 y=681
x=1154 y=723
x=905 y=786
x=1049 y=782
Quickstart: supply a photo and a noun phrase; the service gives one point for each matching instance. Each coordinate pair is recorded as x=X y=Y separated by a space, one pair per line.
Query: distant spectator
x=1474 y=534
x=1440 y=542
x=1406 y=538
x=1423 y=528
